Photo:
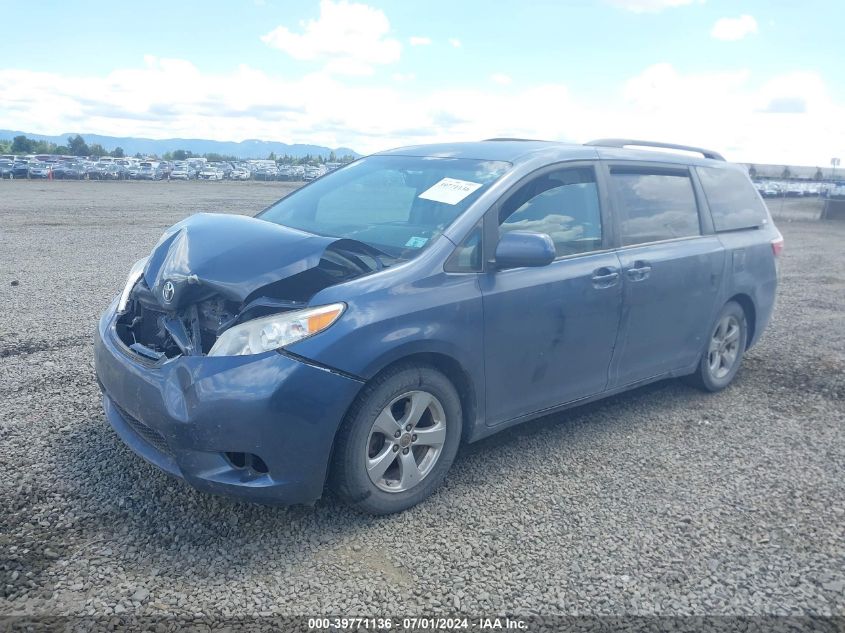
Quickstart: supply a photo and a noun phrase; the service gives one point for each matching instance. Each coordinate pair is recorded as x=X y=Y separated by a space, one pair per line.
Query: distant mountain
x=245 y=149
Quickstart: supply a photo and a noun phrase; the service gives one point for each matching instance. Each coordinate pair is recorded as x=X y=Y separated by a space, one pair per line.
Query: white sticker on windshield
x=449 y=190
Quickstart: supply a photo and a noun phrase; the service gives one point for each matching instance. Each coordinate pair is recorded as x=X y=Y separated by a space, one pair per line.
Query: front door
x=549 y=331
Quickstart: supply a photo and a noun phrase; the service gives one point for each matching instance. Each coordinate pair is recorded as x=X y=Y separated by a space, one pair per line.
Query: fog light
x=247 y=460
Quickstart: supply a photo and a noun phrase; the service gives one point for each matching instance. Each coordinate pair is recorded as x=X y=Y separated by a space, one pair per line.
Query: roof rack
x=626 y=142
x=490 y=140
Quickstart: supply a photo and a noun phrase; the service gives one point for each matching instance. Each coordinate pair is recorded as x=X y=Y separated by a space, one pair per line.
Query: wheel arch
x=747 y=304
x=450 y=367
x=445 y=363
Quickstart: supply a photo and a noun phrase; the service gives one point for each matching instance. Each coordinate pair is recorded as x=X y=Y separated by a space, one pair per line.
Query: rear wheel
x=721 y=360
x=398 y=440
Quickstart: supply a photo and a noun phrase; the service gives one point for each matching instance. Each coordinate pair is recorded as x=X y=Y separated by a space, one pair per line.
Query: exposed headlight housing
x=275 y=331
x=135 y=273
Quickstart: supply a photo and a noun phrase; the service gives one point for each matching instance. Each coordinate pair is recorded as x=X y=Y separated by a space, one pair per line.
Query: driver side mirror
x=519 y=249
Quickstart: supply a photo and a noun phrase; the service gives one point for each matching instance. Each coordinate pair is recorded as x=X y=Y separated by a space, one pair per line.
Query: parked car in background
x=196 y=165
x=210 y=172
x=239 y=173
x=165 y=168
x=114 y=171
x=20 y=169
x=313 y=172
x=181 y=172
x=795 y=190
x=95 y=171
x=265 y=172
x=148 y=171
x=359 y=330
x=283 y=172
x=6 y=169
x=40 y=170
x=71 y=171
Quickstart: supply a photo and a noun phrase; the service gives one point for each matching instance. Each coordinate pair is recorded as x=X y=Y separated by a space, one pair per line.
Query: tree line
x=76 y=146
x=786 y=174
x=287 y=159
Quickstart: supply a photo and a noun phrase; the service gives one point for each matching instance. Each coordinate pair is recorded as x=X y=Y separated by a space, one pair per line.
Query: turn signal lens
x=322 y=321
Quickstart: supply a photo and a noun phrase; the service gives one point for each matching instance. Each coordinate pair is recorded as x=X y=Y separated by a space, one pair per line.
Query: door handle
x=639 y=270
x=605 y=277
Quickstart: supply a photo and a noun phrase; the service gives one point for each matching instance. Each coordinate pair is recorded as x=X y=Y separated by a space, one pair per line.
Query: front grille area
x=154 y=332
x=142 y=324
x=150 y=435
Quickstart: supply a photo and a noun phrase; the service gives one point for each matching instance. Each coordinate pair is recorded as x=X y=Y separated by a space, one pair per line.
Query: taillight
x=777 y=245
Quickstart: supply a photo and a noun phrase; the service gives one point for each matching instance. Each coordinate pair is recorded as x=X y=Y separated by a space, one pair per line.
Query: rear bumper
x=186 y=414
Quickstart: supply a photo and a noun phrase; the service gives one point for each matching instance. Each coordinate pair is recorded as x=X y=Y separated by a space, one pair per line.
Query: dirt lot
x=663 y=500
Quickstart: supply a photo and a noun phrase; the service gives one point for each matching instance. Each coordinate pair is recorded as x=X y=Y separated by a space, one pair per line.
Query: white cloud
x=788 y=118
x=350 y=38
x=419 y=41
x=455 y=42
x=501 y=79
x=650 y=6
x=732 y=29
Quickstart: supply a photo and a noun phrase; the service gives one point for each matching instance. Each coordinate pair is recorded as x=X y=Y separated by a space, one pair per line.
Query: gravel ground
x=659 y=501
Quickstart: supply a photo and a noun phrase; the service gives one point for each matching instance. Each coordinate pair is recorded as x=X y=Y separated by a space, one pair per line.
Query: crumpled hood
x=232 y=255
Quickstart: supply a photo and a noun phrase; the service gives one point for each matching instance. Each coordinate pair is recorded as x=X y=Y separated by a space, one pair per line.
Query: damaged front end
x=211 y=273
x=152 y=331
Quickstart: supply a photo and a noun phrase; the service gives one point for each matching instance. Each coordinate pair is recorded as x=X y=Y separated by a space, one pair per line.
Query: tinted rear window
x=734 y=204
x=654 y=205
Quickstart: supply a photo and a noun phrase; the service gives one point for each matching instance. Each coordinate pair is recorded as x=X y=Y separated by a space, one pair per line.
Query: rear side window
x=654 y=205
x=734 y=204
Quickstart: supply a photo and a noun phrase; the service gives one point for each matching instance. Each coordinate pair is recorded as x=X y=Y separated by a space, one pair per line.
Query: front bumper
x=186 y=414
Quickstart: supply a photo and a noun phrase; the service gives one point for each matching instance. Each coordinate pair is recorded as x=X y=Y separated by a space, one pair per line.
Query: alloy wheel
x=724 y=347
x=405 y=441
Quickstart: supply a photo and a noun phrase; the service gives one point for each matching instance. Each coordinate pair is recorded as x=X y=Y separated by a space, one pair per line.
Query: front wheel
x=398 y=440
x=720 y=362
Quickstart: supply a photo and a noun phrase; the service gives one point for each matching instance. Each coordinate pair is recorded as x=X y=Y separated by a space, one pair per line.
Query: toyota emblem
x=167 y=291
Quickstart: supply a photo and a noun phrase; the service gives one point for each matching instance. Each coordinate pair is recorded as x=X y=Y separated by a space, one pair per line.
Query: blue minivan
x=357 y=331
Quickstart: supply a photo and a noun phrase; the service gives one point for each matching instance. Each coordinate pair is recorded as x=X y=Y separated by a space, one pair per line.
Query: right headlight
x=135 y=274
x=275 y=331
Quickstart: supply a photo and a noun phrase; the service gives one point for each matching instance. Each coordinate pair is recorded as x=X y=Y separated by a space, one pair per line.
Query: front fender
x=440 y=314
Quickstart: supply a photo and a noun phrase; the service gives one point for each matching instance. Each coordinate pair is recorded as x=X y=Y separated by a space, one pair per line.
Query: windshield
x=396 y=204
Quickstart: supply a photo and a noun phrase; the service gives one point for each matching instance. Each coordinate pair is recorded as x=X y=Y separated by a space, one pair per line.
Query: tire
x=392 y=484
x=722 y=357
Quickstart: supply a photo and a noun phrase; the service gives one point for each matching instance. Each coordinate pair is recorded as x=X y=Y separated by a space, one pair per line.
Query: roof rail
x=626 y=142
x=490 y=140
